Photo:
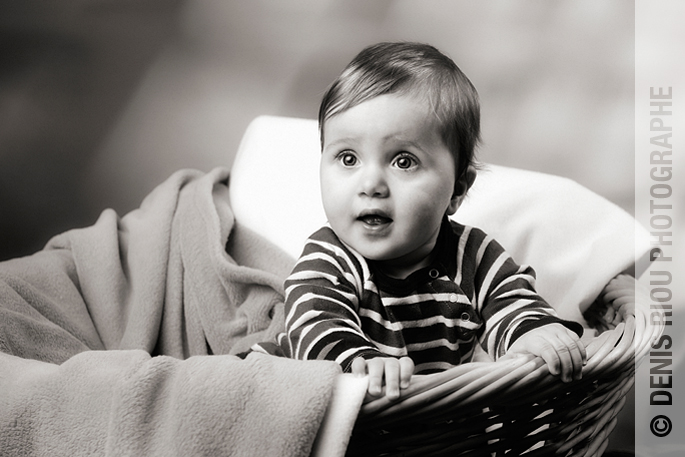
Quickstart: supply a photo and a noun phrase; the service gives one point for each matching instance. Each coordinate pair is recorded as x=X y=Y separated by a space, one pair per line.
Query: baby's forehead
x=388 y=117
x=418 y=100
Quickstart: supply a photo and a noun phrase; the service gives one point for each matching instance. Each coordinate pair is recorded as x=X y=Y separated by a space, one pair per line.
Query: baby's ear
x=462 y=186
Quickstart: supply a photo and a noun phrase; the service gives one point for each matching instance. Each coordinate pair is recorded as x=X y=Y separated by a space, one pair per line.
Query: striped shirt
x=340 y=306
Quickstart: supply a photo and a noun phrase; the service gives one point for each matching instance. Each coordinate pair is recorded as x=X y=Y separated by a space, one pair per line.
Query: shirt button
x=433 y=273
x=453 y=298
x=465 y=316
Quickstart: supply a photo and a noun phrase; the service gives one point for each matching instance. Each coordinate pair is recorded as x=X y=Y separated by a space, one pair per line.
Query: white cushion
x=574 y=239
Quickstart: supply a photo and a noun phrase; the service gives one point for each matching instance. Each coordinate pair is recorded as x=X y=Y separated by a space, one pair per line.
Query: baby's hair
x=403 y=68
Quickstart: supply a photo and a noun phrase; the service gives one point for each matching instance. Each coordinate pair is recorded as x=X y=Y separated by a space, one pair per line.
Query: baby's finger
x=406 y=371
x=549 y=354
x=570 y=359
x=576 y=351
x=359 y=366
x=565 y=361
x=376 y=369
x=392 y=378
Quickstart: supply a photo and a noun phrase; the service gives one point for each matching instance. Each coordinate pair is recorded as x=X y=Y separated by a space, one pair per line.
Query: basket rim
x=612 y=353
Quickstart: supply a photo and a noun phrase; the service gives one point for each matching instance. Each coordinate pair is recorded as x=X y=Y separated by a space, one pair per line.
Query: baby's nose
x=374 y=184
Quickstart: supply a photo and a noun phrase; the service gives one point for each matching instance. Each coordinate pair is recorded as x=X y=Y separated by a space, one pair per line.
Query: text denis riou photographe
x=660 y=276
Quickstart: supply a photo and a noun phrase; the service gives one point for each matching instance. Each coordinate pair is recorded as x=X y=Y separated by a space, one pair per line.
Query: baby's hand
x=558 y=346
x=397 y=374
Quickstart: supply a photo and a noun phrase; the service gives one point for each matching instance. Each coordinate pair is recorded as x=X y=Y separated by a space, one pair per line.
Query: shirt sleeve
x=322 y=303
x=506 y=298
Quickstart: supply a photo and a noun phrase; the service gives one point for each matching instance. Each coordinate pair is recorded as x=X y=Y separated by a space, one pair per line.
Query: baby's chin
x=370 y=254
x=384 y=249
x=394 y=256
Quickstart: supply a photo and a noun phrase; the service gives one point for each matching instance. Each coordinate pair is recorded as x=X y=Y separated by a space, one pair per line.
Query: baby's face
x=387 y=179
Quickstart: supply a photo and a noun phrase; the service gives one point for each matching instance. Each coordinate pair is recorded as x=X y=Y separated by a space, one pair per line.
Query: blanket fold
x=106 y=336
x=127 y=403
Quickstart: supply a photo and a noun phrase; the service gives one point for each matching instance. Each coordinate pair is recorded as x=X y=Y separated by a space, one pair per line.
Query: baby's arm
x=323 y=296
x=558 y=346
x=396 y=373
x=514 y=311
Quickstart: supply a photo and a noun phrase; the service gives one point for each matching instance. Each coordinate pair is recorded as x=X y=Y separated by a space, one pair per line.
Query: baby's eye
x=347 y=159
x=405 y=162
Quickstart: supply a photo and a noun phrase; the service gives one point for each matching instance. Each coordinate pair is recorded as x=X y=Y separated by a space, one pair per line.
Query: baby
x=391 y=287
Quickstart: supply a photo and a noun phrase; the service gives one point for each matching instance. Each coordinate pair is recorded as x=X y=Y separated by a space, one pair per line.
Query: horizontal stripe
x=421 y=298
x=335 y=310
x=396 y=326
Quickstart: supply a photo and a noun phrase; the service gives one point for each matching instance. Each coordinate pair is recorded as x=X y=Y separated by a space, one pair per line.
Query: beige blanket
x=106 y=336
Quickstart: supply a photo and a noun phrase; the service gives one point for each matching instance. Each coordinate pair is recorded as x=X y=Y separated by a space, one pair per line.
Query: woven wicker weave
x=515 y=406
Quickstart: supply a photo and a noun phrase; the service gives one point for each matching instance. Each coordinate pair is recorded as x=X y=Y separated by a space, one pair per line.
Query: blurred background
x=101 y=100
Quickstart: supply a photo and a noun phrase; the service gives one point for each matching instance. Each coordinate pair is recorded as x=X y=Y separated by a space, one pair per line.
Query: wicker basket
x=506 y=407
x=515 y=406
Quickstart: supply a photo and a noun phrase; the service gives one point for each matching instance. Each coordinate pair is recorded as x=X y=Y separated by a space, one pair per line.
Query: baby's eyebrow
x=406 y=142
x=340 y=141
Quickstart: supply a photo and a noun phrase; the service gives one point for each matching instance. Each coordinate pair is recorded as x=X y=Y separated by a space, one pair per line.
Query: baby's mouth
x=374 y=218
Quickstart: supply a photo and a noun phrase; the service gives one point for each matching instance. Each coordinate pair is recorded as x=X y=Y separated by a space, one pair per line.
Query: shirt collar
x=444 y=255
